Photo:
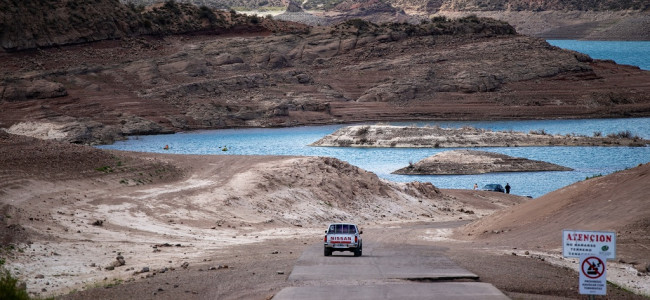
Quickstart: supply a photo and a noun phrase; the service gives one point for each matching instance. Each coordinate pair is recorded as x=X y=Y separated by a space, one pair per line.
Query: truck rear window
x=342 y=228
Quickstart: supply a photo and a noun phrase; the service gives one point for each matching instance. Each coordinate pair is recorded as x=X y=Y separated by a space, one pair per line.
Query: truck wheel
x=357 y=252
x=327 y=252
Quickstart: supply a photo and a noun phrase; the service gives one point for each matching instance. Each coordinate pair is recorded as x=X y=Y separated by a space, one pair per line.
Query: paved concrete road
x=406 y=291
x=390 y=268
x=379 y=261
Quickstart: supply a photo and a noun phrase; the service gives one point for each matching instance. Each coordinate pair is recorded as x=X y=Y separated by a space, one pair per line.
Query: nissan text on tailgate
x=343 y=237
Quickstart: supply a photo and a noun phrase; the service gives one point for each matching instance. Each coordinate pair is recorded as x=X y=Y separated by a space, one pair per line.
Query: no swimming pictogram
x=593 y=267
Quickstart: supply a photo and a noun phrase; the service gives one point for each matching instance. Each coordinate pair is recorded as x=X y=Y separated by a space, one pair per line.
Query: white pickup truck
x=343 y=237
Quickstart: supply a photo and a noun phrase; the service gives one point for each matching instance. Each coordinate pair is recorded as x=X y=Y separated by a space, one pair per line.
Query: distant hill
x=541 y=5
x=430 y=5
x=552 y=19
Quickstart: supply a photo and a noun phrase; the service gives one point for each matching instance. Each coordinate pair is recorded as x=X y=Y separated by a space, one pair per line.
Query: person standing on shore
x=507 y=188
x=475 y=186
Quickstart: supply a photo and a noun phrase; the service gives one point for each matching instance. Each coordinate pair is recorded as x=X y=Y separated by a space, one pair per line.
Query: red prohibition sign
x=593 y=267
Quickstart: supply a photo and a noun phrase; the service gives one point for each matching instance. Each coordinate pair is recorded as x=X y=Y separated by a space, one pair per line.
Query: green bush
x=9 y=288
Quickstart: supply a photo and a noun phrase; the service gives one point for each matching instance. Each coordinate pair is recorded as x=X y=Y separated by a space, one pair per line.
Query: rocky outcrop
x=24 y=89
x=437 y=137
x=86 y=132
x=72 y=132
x=465 y=162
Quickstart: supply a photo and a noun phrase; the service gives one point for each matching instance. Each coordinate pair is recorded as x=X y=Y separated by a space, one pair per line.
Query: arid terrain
x=70 y=210
x=77 y=222
x=110 y=224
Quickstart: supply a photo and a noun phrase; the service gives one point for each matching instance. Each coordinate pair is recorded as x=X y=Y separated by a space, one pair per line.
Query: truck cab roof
x=345 y=228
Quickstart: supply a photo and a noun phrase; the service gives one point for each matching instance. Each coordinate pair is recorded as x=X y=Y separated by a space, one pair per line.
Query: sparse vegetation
x=363 y=130
x=105 y=169
x=206 y=13
x=625 y=134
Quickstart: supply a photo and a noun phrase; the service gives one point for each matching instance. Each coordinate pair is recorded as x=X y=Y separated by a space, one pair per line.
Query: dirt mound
x=312 y=191
x=616 y=202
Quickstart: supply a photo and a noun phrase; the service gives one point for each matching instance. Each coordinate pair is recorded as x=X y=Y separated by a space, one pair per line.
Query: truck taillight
x=356 y=239
x=325 y=239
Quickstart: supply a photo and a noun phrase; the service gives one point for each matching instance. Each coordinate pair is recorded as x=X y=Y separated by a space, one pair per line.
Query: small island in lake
x=466 y=162
x=437 y=137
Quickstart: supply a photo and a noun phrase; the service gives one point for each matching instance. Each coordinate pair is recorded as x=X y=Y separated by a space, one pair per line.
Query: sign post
x=579 y=242
x=593 y=248
x=593 y=275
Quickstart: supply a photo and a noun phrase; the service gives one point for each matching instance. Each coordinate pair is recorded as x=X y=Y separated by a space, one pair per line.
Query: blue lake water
x=636 y=53
x=587 y=161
